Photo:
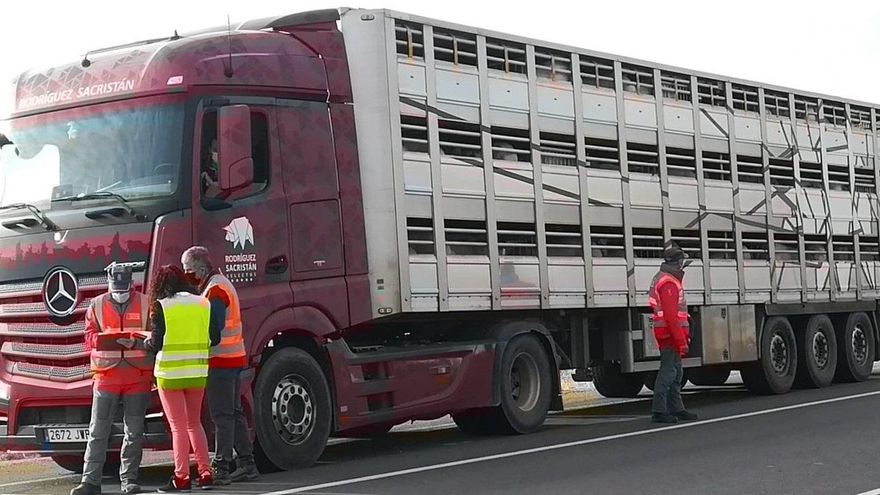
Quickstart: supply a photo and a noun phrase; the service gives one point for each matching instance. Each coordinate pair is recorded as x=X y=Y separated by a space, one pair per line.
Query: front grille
x=62 y=374
x=29 y=416
x=41 y=351
x=33 y=308
x=33 y=346
x=42 y=330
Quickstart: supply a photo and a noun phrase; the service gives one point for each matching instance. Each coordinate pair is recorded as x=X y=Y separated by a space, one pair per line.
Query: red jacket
x=122 y=379
x=668 y=294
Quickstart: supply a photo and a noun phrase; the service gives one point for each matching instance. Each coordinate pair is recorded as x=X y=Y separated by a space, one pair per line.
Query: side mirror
x=234 y=147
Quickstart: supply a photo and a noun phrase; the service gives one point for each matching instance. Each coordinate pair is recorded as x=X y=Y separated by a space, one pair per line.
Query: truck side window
x=209 y=173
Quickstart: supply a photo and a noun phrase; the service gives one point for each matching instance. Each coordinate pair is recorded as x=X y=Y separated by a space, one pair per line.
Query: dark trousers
x=230 y=427
x=667 y=387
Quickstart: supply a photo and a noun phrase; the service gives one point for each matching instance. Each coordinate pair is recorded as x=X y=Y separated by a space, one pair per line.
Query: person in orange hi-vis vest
x=115 y=332
x=227 y=360
x=671 y=330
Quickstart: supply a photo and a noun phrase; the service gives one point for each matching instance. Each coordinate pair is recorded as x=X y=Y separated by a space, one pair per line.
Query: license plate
x=61 y=435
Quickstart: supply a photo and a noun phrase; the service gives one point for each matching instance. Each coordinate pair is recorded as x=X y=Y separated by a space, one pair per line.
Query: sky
x=821 y=46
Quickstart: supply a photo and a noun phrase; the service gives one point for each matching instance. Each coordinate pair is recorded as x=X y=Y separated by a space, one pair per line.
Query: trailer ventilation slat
x=750 y=169
x=564 y=241
x=597 y=73
x=815 y=247
x=806 y=109
x=786 y=246
x=460 y=139
x=860 y=118
x=414 y=134
x=455 y=48
x=838 y=178
x=811 y=175
x=776 y=103
x=745 y=98
x=716 y=166
x=607 y=242
x=410 y=40
x=558 y=149
x=510 y=144
x=865 y=181
x=642 y=158
x=781 y=172
x=553 y=65
x=420 y=235
x=680 y=162
x=506 y=57
x=755 y=246
x=602 y=154
x=647 y=243
x=638 y=80
x=844 y=247
x=834 y=113
x=869 y=248
x=711 y=92
x=722 y=245
x=466 y=237
x=517 y=239
x=675 y=86
x=689 y=241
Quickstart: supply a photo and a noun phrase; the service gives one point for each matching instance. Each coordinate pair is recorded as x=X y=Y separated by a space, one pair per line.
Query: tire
x=855 y=348
x=650 y=377
x=709 y=377
x=72 y=462
x=775 y=371
x=292 y=410
x=817 y=350
x=610 y=382
x=526 y=392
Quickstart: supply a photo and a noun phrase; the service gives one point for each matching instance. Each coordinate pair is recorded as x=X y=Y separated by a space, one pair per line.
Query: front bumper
x=32 y=439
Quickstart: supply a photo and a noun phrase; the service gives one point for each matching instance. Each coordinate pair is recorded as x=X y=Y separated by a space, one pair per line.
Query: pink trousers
x=183 y=408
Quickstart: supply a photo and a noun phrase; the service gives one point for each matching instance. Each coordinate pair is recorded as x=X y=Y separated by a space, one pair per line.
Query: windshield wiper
x=44 y=221
x=105 y=195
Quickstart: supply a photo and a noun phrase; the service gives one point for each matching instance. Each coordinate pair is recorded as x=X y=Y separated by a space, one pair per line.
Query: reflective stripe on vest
x=183 y=360
x=108 y=354
x=660 y=329
x=231 y=339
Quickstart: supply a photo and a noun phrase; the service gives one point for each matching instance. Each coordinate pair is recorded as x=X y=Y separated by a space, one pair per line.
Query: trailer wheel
x=855 y=348
x=817 y=346
x=774 y=373
x=610 y=382
x=292 y=409
x=526 y=392
x=709 y=377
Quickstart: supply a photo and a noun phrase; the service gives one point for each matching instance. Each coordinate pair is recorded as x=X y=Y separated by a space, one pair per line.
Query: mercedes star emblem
x=60 y=292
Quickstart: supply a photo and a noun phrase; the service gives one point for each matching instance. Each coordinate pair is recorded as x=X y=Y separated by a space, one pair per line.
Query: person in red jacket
x=115 y=329
x=670 y=318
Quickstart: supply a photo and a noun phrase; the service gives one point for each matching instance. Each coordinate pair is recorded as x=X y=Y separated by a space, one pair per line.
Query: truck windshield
x=130 y=148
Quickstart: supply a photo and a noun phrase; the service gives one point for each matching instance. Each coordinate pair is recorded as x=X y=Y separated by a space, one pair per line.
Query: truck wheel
x=817 y=348
x=774 y=373
x=72 y=463
x=526 y=391
x=855 y=348
x=610 y=382
x=709 y=377
x=292 y=409
x=650 y=377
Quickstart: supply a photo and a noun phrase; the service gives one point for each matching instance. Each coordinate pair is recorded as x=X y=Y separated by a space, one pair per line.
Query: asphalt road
x=807 y=441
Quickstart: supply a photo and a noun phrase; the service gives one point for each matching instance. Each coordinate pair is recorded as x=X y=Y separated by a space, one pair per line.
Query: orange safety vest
x=661 y=330
x=230 y=352
x=108 y=357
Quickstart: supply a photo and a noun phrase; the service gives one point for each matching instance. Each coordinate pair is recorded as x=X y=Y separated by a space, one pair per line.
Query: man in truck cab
x=227 y=360
x=115 y=332
x=670 y=318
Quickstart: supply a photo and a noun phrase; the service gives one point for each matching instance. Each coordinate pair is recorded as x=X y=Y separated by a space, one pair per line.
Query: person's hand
x=128 y=343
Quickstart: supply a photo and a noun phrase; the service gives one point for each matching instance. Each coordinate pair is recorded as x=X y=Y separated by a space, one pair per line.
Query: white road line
x=474 y=460
x=40 y=480
x=872 y=492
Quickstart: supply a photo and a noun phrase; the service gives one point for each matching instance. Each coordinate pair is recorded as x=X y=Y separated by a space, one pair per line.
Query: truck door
x=245 y=231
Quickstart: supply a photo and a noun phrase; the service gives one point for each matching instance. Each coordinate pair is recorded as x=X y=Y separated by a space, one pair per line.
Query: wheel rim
x=821 y=350
x=859 y=344
x=779 y=354
x=525 y=383
x=293 y=413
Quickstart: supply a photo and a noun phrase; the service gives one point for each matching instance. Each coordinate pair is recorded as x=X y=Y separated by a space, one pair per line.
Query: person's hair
x=169 y=281
x=199 y=256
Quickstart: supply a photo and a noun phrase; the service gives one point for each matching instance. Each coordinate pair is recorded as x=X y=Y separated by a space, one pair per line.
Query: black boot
x=86 y=489
x=664 y=418
x=685 y=415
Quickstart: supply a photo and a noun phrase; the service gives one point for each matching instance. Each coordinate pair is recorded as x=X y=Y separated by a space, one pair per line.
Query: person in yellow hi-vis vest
x=181 y=337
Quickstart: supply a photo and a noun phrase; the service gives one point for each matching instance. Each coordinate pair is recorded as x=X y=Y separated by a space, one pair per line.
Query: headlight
x=4 y=391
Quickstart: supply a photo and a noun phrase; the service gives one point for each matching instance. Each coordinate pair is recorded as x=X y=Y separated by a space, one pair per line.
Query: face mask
x=193 y=279
x=120 y=297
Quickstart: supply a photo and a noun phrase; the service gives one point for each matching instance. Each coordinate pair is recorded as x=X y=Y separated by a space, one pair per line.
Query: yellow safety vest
x=183 y=361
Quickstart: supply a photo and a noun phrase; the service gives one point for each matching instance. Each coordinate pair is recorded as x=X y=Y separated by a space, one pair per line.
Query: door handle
x=276 y=265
